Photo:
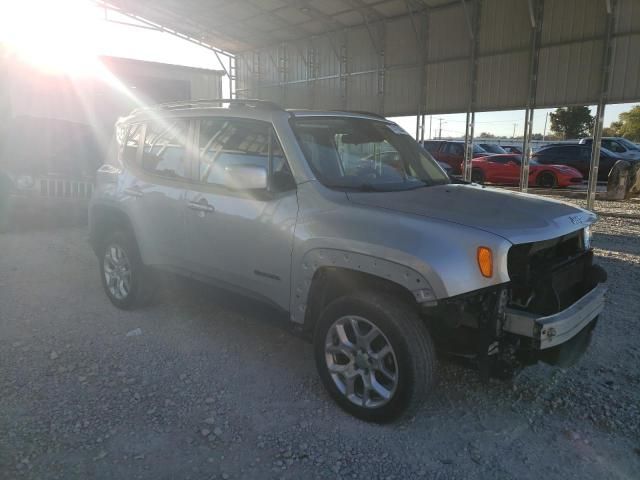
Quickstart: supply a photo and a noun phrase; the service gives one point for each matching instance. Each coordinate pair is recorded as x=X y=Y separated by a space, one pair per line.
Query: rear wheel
x=547 y=180
x=374 y=356
x=126 y=280
x=477 y=176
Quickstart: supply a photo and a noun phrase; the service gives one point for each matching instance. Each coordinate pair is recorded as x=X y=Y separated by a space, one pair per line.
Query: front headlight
x=25 y=182
x=586 y=235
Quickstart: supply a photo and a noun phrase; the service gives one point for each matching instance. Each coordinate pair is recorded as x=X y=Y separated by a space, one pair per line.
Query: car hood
x=517 y=217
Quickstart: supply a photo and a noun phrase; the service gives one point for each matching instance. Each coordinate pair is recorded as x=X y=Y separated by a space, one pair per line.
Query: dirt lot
x=205 y=385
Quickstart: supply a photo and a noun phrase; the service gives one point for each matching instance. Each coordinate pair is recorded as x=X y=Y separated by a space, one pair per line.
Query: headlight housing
x=586 y=237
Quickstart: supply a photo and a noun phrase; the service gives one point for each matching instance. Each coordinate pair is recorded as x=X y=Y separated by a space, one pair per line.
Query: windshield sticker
x=395 y=128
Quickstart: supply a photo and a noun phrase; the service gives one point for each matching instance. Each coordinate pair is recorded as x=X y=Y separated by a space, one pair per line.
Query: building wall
x=98 y=100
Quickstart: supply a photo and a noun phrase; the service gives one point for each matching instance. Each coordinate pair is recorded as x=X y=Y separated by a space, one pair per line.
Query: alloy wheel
x=361 y=361
x=117 y=272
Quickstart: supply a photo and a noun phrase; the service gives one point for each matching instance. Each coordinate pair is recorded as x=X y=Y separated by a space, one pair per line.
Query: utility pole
x=440 y=131
x=514 y=130
x=544 y=132
x=430 y=131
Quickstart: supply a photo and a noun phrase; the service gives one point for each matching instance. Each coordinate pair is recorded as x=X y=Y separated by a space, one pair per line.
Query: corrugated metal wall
x=386 y=66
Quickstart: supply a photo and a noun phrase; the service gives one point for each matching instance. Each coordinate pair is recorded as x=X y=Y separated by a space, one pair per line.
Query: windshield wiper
x=369 y=187
x=365 y=187
x=421 y=185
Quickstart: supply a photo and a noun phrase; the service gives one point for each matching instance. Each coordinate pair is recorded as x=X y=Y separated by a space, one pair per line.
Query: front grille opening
x=549 y=276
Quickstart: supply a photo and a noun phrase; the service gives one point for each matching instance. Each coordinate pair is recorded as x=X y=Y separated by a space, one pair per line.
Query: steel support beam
x=473 y=18
x=419 y=30
x=344 y=71
x=536 y=10
x=381 y=70
x=283 y=65
x=144 y=23
x=468 y=145
x=605 y=79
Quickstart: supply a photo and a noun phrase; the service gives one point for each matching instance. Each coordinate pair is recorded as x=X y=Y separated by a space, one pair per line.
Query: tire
x=477 y=176
x=547 y=179
x=120 y=252
x=411 y=358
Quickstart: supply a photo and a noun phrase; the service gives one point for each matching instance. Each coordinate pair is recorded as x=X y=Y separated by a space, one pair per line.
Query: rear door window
x=131 y=142
x=165 y=148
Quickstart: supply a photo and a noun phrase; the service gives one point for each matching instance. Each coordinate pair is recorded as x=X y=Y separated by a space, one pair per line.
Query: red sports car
x=505 y=170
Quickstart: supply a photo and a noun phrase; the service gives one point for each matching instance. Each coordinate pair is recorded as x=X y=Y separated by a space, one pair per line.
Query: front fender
x=315 y=259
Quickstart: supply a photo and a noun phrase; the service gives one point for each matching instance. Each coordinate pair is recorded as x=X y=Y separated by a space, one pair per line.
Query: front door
x=237 y=233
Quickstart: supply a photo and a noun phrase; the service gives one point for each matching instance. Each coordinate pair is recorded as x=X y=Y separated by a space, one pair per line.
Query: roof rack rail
x=185 y=104
x=363 y=112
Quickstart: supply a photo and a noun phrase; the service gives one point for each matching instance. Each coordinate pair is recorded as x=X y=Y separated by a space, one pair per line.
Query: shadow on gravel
x=187 y=292
x=535 y=391
x=618 y=243
x=47 y=219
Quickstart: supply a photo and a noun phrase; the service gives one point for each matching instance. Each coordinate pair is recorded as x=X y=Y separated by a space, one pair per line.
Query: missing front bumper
x=554 y=330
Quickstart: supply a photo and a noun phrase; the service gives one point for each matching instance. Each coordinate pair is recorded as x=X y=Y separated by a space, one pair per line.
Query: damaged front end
x=545 y=313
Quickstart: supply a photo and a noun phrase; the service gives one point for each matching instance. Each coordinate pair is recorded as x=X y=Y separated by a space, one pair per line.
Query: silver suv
x=344 y=222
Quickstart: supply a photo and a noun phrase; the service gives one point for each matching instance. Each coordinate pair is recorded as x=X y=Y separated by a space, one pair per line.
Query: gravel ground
x=206 y=385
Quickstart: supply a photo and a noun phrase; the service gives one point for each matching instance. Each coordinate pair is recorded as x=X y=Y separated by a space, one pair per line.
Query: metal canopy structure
x=417 y=57
x=369 y=54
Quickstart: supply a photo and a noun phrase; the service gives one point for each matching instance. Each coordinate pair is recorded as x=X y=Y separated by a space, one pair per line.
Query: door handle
x=201 y=206
x=134 y=192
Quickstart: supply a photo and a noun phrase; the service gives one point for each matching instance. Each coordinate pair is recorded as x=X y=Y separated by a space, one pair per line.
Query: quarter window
x=165 y=151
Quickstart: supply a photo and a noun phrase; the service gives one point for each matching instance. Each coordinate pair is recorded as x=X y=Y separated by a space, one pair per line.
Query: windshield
x=478 y=150
x=365 y=154
x=492 y=148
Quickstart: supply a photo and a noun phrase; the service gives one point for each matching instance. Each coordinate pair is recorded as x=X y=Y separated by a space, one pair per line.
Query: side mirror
x=246 y=177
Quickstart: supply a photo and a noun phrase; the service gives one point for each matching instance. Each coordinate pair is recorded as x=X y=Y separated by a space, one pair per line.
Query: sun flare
x=55 y=37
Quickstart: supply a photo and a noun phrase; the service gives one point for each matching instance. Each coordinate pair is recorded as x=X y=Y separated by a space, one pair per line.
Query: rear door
x=242 y=237
x=155 y=189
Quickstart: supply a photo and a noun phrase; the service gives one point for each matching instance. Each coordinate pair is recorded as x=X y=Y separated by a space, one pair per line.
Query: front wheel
x=374 y=356
x=126 y=280
x=547 y=180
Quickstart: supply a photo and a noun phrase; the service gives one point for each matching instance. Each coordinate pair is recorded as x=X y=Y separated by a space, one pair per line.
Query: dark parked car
x=618 y=145
x=577 y=156
x=451 y=152
x=46 y=163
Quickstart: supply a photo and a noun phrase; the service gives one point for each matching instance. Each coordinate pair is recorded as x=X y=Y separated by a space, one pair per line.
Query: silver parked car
x=344 y=222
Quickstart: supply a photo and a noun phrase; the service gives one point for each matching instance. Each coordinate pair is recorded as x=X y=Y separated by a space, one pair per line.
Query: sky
x=501 y=124
x=52 y=41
